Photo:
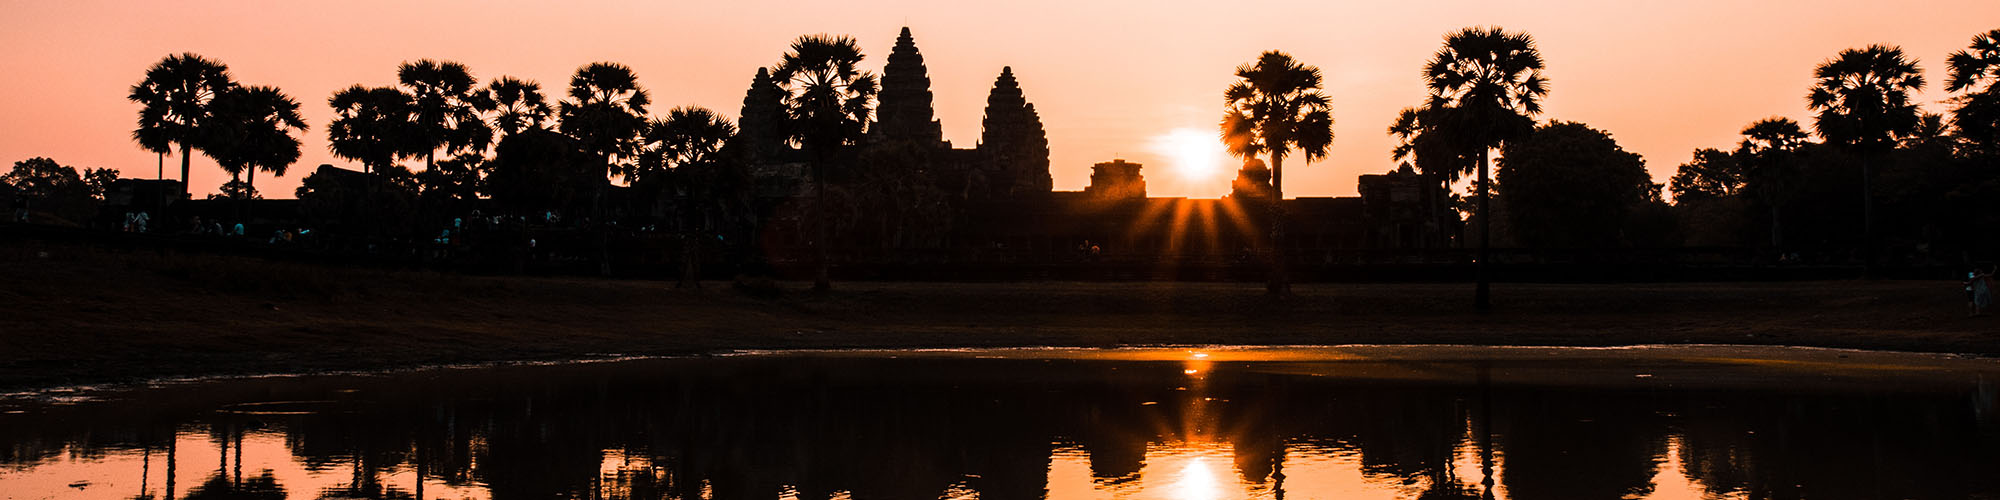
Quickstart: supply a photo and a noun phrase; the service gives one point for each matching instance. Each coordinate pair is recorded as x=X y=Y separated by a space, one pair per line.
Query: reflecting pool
x=1170 y=423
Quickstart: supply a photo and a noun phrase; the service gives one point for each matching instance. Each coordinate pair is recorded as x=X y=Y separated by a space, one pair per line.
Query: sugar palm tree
x=1275 y=107
x=370 y=126
x=1770 y=150
x=445 y=102
x=174 y=101
x=605 y=113
x=1435 y=157
x=252 y=130
x=827 y=103
x=1491 y=81
x=1977 y=114
x=517 y=104
x=1863 y=102
x=681 y=155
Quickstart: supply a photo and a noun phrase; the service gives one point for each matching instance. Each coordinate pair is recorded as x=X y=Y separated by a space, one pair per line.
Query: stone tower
x=760 y=125
x=1013 y=146
x=904 y=112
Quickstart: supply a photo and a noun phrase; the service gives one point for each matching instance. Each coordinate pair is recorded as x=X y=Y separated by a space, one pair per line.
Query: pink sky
x=1108 y=78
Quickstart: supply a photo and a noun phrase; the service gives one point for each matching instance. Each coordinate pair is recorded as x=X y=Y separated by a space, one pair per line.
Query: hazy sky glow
x=1110 y=79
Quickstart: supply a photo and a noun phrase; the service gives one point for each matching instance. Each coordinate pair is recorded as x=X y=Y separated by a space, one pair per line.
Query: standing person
x=1981 y=287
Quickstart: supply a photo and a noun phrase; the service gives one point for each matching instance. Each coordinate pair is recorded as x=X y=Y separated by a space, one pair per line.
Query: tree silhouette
x=1712 y=174
x=1489 y=82
x=1769 y=155
x=1274 y=107
x=1432 y=153
x=1974 y=72
x=827 y=101
x=606 y=112
x=1863 y=102
x=517 y=104
x=174 y=101
x=252 y=130
x=370 y=126
x=681 y=155
x=1571 y=186
x=445 y=102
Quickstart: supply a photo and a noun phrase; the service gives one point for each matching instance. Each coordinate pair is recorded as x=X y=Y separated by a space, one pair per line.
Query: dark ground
x=76 y=314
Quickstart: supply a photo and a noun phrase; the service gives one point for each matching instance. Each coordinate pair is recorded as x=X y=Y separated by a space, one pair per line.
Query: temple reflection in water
x=883 y=428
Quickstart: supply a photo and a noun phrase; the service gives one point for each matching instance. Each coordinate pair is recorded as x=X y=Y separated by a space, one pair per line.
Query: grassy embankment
x=71 y=314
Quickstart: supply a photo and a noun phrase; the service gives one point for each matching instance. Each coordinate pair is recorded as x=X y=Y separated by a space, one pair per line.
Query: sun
x=1195 y=154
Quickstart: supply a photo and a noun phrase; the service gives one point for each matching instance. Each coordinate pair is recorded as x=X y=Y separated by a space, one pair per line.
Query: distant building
x=1116 y=179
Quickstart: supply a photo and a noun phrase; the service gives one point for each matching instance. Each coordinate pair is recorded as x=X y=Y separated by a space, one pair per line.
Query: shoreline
x=83 y=315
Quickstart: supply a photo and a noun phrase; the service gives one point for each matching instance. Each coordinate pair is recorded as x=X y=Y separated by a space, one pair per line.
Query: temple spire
x=763 y=112
x=905 y=112
x=1013 y=144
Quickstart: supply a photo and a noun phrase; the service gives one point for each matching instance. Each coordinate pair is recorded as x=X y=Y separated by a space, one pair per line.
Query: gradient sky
x=1109 y=78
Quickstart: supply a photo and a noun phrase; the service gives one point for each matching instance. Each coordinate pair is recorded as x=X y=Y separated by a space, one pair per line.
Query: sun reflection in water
x=1197 y=482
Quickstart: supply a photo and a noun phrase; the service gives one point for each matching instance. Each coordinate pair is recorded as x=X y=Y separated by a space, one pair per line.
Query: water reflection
x=1194 y=427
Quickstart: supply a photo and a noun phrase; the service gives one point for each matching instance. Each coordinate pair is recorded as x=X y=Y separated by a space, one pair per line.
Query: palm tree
x=370 y=126
x=518 y=105
x=605 y=113
x=252 y=129
x=1770 y=150
x=1977 y=116
x=1490 y=81
x=681 y=154
x=827 y=101
x=445 y=103
x=1277 y=106
x=174 y=101
x=1863 y=101
x=1435 y=158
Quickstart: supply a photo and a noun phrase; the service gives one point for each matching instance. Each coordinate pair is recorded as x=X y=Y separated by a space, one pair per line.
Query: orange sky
x=1107 y=77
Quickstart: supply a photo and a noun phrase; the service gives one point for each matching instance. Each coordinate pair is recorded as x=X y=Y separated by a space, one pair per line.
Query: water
x=1183 y=424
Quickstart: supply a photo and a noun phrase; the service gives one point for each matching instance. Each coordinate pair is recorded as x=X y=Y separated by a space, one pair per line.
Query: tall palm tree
x=681 y=154
x=445 y=103
x=370 y=126
x=174 y=101
x=1863 y=104
x=1977 y=115
x=517 y=104
x=1276 y=106
x=605 y=113
x=1770 y=149
x=252 y=129
x=827 y=102
x=1491 y=81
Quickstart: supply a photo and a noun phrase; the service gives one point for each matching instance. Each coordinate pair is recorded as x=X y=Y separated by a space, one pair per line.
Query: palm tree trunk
x=1278 y=283
x=821 y=282
x=1867 y=217
x=1482 y=299
x=249 y=187
x=186 y=187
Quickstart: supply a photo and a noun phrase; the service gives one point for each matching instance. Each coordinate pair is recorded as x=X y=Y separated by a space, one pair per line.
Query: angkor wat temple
x=1006 y=210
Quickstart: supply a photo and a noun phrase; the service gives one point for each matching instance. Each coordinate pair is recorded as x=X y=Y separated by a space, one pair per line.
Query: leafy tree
x=1711 y=174
x=175 y=100
x=1974 y=72
x=827 y=103
x=1568 y=185
x=59 y=189
x=1770 y=156
x=1434 y=155
x=536 y=170
x=1485 y=87
x=371 y=126
x=1275 y=106
x=517 y=104
x=1862 y=98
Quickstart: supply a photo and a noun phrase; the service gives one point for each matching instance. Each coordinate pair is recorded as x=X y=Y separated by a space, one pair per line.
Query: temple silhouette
x=1010 y=212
